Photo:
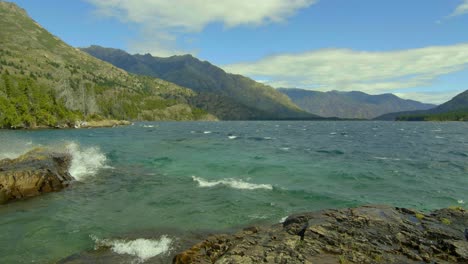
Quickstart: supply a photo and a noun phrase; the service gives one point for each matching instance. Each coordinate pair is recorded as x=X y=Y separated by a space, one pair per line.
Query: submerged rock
x=368 y=234
x=36 y=172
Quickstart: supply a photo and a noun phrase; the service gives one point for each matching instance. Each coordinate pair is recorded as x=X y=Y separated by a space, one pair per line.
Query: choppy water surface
x=152 y=177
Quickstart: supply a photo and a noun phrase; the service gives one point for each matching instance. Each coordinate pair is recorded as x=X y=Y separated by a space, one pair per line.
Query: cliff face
x=369 y=234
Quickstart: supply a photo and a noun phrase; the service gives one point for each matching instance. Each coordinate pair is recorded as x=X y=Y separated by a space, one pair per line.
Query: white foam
x=282 y=220
x=206 y=132
x=85 y=161
x=233 y=183
x=141 y=248
x=148 y=126
x=386 y=158
x=232 y=137
x=461 y=202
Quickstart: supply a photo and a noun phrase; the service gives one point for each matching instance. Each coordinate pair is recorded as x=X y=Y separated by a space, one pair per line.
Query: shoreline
x=365 y=234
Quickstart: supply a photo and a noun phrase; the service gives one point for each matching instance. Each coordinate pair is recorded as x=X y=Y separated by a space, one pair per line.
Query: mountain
x=228 y=96
x=454 y=110
x=45 y=82
x=357 y=105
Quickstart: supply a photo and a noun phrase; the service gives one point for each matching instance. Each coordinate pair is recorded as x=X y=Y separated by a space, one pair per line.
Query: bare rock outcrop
x=36 y=172
x=368 y=234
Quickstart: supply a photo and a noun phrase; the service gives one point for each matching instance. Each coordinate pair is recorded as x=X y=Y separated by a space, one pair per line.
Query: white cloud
x=173 y=17
x=430 y=97
x=347 y=70
x=461 y=9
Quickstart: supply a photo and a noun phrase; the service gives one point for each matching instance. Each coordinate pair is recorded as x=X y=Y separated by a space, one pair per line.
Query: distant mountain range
x=355 y=105
x=227 y=96
x=454 y=110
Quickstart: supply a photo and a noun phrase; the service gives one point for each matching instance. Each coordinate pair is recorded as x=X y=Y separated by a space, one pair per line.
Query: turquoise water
x=220 y=176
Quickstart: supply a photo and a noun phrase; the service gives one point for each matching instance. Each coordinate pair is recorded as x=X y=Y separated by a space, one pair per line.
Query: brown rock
x=36 y=172
x=368 y=234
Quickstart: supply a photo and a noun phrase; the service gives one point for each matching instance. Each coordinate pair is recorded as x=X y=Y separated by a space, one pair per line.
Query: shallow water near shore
x=190 y=176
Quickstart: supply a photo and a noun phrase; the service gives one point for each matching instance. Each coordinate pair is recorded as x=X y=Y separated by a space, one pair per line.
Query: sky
x=415 y=49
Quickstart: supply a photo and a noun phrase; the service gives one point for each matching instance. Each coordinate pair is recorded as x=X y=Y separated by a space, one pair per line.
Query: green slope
x=72 y=84
x=228 y=96
x=356 y=105
x=454 y=110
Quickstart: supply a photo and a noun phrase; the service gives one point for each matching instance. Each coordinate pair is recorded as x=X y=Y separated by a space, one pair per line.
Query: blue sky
x=417 y=49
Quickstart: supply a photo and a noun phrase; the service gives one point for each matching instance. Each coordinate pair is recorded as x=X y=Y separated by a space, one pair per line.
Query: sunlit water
x=219 y=176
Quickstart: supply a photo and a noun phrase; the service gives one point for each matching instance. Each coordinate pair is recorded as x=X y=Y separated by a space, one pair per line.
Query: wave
x=387 y=158
x=233 y=183
x=85 y=161
x=141 y=248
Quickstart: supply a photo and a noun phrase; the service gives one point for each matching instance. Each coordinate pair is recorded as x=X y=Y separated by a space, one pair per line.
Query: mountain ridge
x=239 y=97
x=456 y=109
x=77 y=84
x=354 y=104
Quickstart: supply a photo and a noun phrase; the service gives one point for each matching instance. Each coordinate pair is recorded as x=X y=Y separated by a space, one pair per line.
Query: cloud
x=347 y=70
x=461 y=9
x=175 y=17
x=430 y=97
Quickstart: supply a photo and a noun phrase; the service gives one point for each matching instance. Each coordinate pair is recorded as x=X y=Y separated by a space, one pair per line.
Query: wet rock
x=36 y=172
x=368 y=234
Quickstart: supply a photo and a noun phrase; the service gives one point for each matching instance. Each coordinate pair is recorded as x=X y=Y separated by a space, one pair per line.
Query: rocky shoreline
x=368 y=234
x=34 y=173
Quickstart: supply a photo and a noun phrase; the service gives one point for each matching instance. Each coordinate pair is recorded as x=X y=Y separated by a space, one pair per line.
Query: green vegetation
x=445 y=221
x=453 y=110
x=459 y=115
x=228 y=96
x=419 y=216
x=45 y=82
x=26 y=104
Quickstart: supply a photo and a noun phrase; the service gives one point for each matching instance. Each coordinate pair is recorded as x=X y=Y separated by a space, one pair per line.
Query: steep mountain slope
x=350 y=104
x=43 y=76
x=228 y=96
x=454 y=110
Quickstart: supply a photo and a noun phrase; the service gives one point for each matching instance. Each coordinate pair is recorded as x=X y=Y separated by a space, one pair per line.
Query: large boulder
x=36 y=172
x=368 y=234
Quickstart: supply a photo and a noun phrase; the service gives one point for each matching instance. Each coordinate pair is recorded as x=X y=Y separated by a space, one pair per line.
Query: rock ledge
x=368 y=234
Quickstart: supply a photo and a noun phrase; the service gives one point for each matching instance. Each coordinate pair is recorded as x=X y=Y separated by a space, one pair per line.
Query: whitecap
x=282 y=220
x=141 y=248
x=206 y=132
x=386 y=158
x=285 y=149
x=439 y=137
x=268 y=138
x=461 y=202
x=233 y=183
x=232 y=137
x=333 y=133
x=85 y=161
x=148 y=126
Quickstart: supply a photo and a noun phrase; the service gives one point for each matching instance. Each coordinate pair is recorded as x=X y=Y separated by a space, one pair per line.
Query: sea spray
x=85 y=161
x=141 y=248
x=233 y=183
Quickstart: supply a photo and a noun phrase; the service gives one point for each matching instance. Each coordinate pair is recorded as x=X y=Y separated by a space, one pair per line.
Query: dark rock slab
x=34 y=173
x=368 y=234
